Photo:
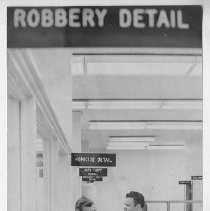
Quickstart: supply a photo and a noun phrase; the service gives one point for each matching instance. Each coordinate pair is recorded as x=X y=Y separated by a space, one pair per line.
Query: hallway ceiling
x=129 y=77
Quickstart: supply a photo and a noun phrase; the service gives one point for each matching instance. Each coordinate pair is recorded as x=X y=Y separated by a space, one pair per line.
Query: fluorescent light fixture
x=136 y=69
x=79 y=105
x=146 y=125
x=125 y=143
x=137 y=104
x=128 y=144
x=146 y=147
x=123 y=104
x=122 y=65
x=174 y=126
x=182 y=104
x=139 y=143
x=131 y=139
x=166 y=147
x=140 y=59
x=146 y=65
x=116 y=125
x=129 y=147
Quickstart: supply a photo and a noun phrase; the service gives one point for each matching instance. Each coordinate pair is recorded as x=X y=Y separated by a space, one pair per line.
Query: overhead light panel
x=133 y=139
x=174 y=126
x=150 y=65
x=145 y=147
x=140 y=58
x=127 y=147
x=146 y=125
x=140 y=143
x=125 y=143
x=116 y=125
x=134 y=69
x=136 y=104
x=167 y=147
x=123 y=65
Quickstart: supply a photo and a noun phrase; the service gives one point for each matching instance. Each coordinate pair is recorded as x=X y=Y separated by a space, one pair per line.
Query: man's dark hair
x=83 y=202
x=138 y=198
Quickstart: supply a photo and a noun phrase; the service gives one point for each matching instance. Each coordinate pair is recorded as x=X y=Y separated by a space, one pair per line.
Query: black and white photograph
x=105 y=106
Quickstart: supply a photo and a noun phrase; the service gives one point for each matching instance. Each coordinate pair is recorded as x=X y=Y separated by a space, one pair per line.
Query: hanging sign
x=93 y=159
x=92 y=178
x=196 y=177
x=39 y=160
x=184 y=182
x=93 y=172
x=105 y=26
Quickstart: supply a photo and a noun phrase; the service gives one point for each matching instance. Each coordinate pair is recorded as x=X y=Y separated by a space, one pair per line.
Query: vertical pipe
x=185 y=197
x=192 y=205
x=168 y=206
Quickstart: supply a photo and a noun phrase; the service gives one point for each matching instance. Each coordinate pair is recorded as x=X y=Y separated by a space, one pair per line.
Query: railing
x=168 y=203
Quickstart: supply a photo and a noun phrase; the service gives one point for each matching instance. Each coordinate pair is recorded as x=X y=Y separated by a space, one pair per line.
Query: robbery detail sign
x=105 y=26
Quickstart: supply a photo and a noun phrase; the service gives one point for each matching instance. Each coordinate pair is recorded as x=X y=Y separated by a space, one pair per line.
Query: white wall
x=153 y=173
x=21 y=172
x=56 y=79
x=22 y=132
x=194 y=167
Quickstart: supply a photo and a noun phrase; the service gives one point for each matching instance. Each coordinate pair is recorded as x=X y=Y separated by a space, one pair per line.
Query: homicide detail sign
x=102 y=26
x=93 y=159
x=93 y=172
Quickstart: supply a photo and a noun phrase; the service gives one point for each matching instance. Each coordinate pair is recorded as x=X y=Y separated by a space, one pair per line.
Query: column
x=39 y=175
x=64 y=184
x=76 y=146
x=54 y=150
x=28 y=154
x=13 y=155
x=46 y=175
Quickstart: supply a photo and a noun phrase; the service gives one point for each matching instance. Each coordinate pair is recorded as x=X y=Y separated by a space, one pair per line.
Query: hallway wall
x=153 y=173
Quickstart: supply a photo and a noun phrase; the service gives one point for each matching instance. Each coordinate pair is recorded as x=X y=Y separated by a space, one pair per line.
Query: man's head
x=85 y=204
x=134 y=202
